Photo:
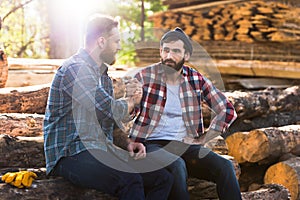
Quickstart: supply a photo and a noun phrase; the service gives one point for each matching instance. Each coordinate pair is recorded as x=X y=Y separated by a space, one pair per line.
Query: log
x=270 y=192
x=286 y=173
x=21 y=151
x=264 y=145
x=31 y=99
x=258 y=103
x=58 y=188
x=17 y=124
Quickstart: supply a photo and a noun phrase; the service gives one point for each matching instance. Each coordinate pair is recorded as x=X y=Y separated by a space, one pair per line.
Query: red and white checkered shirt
x=194 y=88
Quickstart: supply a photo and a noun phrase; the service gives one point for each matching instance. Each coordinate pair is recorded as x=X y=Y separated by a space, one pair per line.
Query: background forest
x=53 y=28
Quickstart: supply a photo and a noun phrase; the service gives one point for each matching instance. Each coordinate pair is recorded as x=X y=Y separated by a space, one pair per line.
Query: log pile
x=242 y=21
x=255 y=109
x=19 y=152
x=21 y=142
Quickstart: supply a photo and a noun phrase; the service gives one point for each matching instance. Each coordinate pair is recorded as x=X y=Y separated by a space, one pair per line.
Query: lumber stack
x=233 y=29
x=241 y=21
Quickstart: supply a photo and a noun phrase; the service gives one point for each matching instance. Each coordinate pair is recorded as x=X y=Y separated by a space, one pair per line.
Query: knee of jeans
x=178 y=168
x=227 y=166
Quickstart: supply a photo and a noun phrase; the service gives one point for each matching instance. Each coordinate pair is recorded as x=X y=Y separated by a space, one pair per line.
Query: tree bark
x=17 y=124
x=22 y=151
x=271 y=191
x=264 y=145
x=286 y=173
x=57 y=188
x=31 y=99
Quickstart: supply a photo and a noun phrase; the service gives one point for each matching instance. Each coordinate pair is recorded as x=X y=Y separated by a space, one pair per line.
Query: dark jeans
x=200 y=162
x=85 y=170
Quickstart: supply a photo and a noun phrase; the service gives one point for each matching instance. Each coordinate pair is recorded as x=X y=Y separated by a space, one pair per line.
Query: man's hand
x=19 y=179
x=203 y=139
x=136 y=150
x=134 y=90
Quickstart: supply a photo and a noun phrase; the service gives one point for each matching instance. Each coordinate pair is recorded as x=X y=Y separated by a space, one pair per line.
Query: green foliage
x=24 y=31
x=130 y=13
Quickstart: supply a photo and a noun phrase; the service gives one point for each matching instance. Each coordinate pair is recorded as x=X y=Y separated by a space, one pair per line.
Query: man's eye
x=167 y=50
x=176 y=50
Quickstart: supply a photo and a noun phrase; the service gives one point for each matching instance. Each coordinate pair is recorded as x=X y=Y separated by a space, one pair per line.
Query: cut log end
x=255 y=143
x=233 y=143
x=286 y=173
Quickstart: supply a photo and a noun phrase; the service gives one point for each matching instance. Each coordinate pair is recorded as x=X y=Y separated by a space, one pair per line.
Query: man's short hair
x=99 y=25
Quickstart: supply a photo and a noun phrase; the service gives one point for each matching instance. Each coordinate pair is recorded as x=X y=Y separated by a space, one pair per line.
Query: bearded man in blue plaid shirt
x=80 y=117
x=170 y=121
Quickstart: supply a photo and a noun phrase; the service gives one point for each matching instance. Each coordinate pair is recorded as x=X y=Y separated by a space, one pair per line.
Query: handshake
x=133 y=90
x=19 y=179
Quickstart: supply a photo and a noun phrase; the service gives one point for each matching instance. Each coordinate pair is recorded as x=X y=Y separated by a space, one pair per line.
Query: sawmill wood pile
x=245 y=21
x=247 y=30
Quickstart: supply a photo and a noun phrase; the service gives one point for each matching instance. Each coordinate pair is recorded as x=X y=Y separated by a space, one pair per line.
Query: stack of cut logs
x=264 y=145
x=248 y=21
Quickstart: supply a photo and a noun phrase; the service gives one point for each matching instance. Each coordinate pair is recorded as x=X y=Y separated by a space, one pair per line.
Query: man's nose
x=169 y=54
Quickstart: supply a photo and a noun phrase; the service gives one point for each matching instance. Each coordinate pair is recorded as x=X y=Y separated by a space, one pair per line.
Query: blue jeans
x=85 y=170
x=199 y=162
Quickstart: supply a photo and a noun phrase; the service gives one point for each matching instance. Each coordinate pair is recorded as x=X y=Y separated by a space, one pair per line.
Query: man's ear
x=187 y=56
x=101 y=42
x=160 y=51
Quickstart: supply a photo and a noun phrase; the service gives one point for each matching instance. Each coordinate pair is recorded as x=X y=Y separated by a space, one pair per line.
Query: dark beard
x=172 y=69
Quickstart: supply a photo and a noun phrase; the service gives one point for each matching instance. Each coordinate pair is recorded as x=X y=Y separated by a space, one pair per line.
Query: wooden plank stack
x=248 y=21
x=235 y=29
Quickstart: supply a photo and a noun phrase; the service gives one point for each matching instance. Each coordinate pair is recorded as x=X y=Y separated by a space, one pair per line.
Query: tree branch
x=15 y=9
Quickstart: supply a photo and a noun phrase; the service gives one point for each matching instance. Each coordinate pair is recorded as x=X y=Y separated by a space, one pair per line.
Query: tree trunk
x=264 y=145
x=286 y=173
x=3 y=68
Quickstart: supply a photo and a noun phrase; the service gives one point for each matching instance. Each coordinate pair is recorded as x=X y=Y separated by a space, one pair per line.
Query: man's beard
x=108 y=57
x=170 y=69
